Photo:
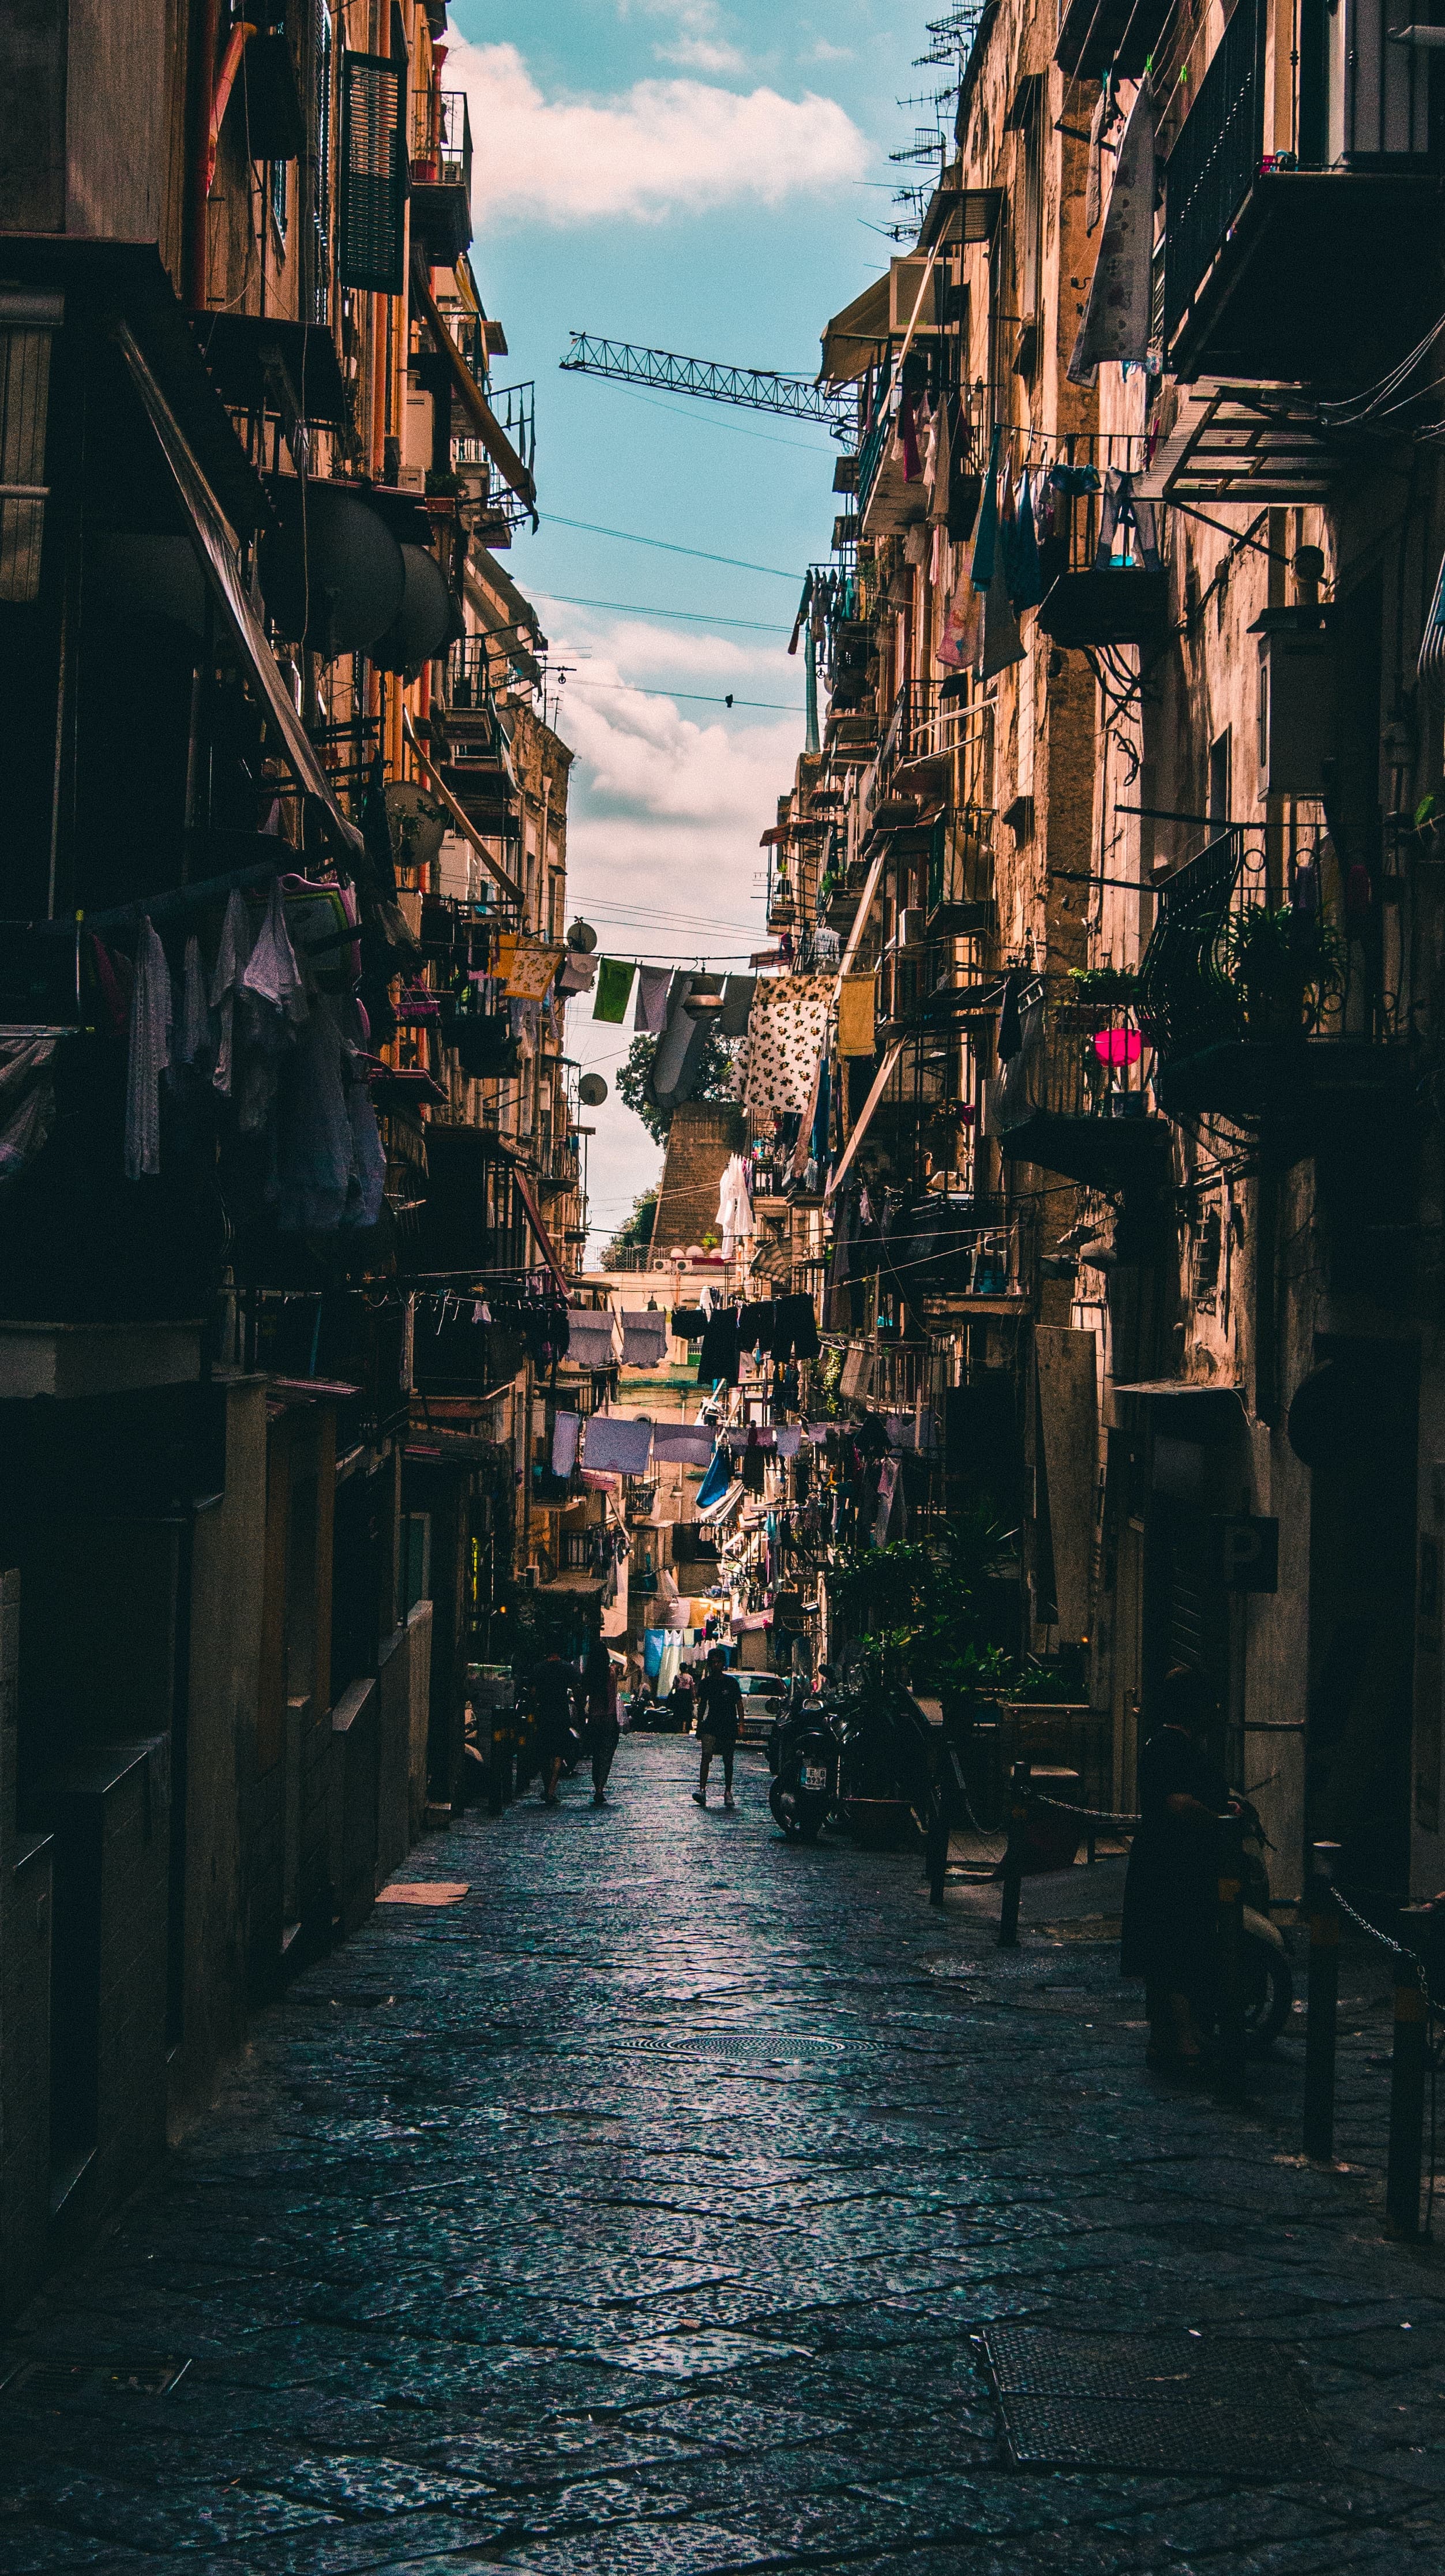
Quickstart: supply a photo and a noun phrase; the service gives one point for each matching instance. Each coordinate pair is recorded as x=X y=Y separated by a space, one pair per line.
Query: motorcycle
x=804 y=1789
x=1268 y=1982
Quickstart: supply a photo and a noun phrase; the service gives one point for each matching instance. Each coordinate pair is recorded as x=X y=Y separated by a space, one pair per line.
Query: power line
x=664 y=545
x=692 y=697
x=670 y=616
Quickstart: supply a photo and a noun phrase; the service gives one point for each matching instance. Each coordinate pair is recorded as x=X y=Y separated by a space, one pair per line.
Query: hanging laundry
x=985 y=544
x=682 y=1444
x=231 y=961
x=192 y=1021
x=1117 y=314
x=566 y=1437
x=652 y=990
x=149 y=1054
x=27 y=1100
x=618 y=1446
x=644 y=1337
x=1010 y=1022
x=1020 y=549
x=811 y=737
x=734 y=1217
x=271 y=974
x=368 y=1156
x=718 y=1359
x=1120 y=511
x=579 y=969
x=1002 y=643
x=534 y=963
x=716 y=1482
x=786 y=1031
x=614 y=984
x=590 y=1339
x=732 y=1019
x=790 y=1439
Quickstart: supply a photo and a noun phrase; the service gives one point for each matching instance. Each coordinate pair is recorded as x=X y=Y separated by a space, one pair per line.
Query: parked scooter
x=1268 y=1983
x=804 y=1790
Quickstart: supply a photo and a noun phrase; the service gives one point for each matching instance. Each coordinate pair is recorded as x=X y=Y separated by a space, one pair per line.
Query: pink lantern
x=1118 y=1046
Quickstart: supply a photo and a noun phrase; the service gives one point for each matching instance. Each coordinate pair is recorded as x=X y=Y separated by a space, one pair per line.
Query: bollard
x=938 y=1828
x=1229 y=1950
x=1323 y=2003
x=1013 y=1859
x=1407 y=2085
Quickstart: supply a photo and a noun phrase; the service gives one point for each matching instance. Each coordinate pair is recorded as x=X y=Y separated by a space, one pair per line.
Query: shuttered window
x=373 y=174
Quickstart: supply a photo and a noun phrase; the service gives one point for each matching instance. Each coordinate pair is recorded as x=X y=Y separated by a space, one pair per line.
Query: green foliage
x=635 y=1231
x=920 y=1609
x=1104 y=984
x=1268 y=952
x=714 y=1082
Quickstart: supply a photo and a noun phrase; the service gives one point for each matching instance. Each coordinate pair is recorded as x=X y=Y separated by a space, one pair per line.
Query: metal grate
x=41 y=2381
x=739 y=2045
x=1160 y=2403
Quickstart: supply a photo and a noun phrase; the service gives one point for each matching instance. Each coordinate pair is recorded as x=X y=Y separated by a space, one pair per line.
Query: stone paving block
x=534 y=2234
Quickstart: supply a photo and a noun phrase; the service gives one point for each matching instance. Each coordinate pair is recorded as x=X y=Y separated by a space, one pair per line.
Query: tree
x=635 y=1230
x=714 y=1080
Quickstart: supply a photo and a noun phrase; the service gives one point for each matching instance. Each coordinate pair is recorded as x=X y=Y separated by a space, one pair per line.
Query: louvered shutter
x=373 y=175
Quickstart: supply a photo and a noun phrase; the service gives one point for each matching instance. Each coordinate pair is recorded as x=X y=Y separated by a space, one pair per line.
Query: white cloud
x=664 y=820
x=662 y=147
x=698 y=43
x=659 y=655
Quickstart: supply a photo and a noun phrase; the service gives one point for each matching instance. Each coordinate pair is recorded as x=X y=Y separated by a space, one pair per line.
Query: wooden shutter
x=373 y=175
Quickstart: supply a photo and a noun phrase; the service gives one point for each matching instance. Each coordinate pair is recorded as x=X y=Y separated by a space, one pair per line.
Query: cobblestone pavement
x=635 y=2213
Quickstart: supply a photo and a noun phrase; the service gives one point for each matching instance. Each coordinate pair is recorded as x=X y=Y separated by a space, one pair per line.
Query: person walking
x=1170 y=1889
x=719 y=1709
x=555 y=1694
x=603 y=1723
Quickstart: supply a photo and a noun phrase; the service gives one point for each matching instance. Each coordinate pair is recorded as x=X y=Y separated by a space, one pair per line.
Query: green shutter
x=373 y=175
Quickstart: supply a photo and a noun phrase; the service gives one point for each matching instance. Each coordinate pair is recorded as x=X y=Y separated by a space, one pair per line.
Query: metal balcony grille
x=1214 y=160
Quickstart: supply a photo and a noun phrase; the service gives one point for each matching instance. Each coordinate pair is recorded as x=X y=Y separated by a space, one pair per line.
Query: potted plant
x=1285 y=963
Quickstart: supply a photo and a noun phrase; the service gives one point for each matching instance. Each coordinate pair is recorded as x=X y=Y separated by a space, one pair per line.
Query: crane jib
x=751 y=388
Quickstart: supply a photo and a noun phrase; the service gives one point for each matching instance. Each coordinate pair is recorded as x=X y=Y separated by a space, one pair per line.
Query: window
x=1219 y=780
x=277 y=195
x=373 y=175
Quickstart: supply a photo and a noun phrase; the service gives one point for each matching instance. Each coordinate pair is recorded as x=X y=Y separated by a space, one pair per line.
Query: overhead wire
x=666 y=546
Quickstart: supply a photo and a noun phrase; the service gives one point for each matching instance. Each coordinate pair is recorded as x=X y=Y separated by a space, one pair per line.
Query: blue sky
x=696 y=175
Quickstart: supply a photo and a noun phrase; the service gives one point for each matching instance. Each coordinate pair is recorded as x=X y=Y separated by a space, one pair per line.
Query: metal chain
x=1100 y=1815
x=1397 y=1949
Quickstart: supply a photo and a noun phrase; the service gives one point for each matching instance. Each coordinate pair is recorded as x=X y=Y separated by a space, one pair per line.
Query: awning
x=493 y=623
x=860 y=917
x=245 y=354
x=474 y=402
x=217 y=551
x=534 y=1219
x=860 y=1130
x=464 y=825
x=852 y=336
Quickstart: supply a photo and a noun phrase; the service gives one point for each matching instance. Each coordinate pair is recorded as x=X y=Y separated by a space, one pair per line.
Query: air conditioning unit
x=941 y=296
x=912 y=927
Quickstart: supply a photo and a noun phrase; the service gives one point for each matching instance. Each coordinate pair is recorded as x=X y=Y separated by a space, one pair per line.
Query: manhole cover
x=729 y=2044
x=39 y=2382
x=1167 y=2404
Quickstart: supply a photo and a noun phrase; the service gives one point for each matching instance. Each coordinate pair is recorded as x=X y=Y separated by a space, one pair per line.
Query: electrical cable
x=665 y=545
x=669 y=616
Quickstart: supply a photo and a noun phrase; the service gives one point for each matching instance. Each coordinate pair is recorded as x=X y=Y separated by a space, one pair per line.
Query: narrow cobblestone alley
x=636 y=2211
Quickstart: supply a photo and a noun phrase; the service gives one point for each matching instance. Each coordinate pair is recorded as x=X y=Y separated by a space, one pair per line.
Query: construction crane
x=752 y=388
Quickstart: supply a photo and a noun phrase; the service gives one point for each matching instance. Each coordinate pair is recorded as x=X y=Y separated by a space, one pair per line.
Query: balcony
x=1288 y=1022
x=1277 y=272
x=1077 y=1096
x=441 y=176
x=888 y=502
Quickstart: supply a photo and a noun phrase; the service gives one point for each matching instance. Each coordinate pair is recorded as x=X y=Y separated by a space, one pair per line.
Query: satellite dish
x=331 y=571
x=583 y=936
x=421 y=628
x=420 y=822
x=149 y=576
x=592 y=1090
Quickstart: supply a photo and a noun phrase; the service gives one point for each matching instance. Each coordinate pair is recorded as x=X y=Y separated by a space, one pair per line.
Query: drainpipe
x=213 y=94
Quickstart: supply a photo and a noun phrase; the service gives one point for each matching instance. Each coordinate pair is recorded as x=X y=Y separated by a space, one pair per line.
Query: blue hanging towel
x=1023 y=572
x=717 y=1480
x=986 y=537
